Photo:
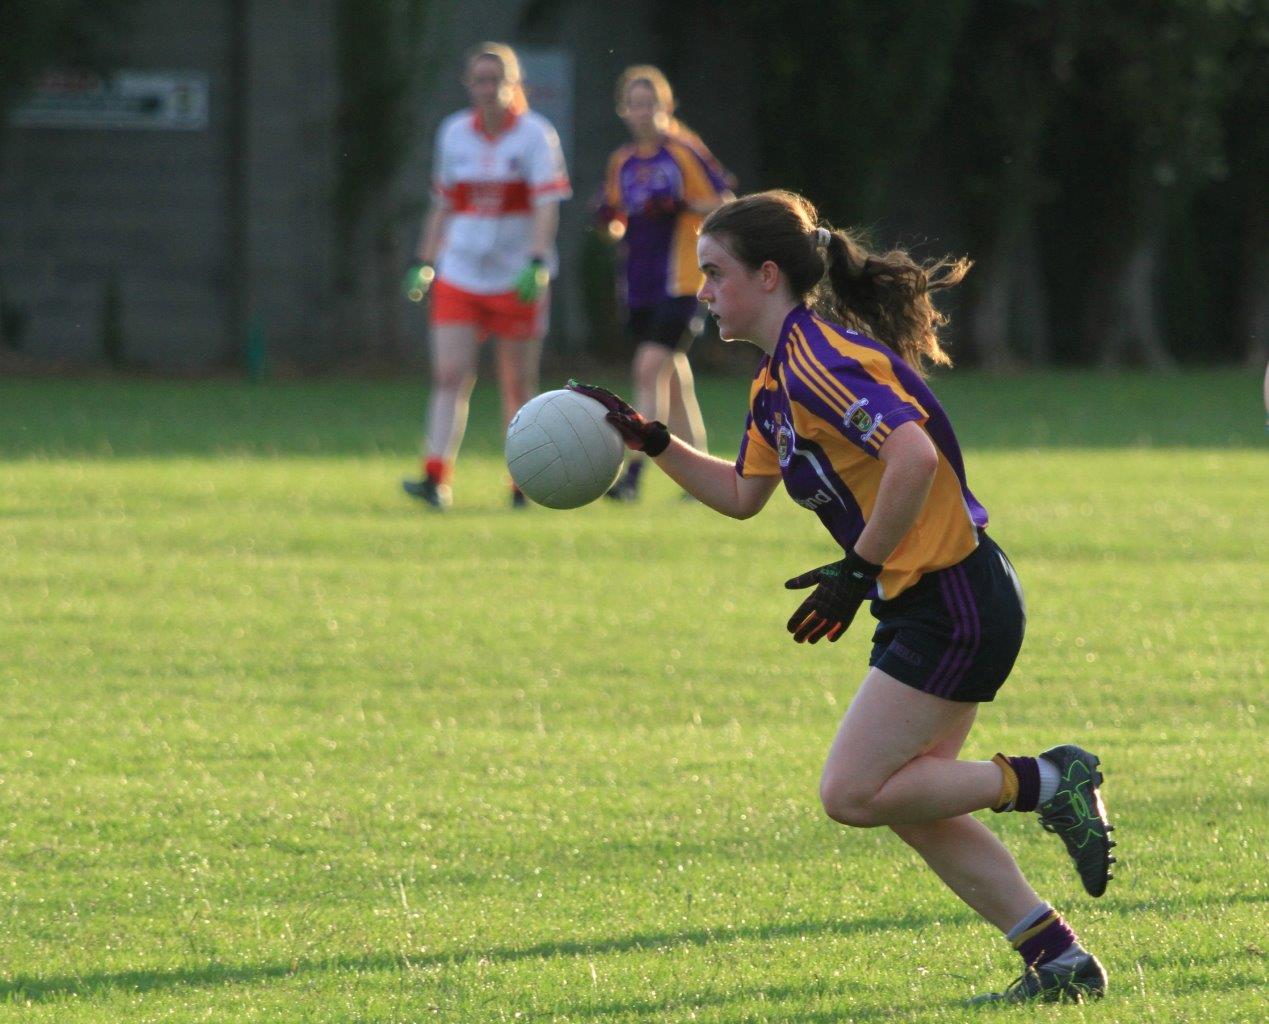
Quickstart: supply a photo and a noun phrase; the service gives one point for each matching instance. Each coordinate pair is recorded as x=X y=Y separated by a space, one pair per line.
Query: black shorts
x=667 y=322
x=955 y=633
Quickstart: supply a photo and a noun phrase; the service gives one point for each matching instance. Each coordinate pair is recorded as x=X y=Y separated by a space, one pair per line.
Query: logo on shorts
x=785 y=439
x=906 y=653
x=859 y=418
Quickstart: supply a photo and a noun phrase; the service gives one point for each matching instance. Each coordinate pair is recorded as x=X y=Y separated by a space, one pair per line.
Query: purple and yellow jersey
x=820 y=408
x=661 y=250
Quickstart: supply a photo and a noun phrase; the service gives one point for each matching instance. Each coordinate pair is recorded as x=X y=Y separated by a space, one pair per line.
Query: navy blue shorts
x=955 y=633
x=667 y=322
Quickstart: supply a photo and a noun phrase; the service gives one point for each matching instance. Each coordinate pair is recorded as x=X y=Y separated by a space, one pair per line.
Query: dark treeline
x=1104 y=163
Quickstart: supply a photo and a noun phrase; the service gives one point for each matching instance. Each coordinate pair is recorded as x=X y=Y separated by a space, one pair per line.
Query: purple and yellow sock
x=1020 y=784
x=1042 y=937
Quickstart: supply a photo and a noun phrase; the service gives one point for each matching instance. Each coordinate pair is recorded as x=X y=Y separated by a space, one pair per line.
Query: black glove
x=840 y=589
x=651 y=437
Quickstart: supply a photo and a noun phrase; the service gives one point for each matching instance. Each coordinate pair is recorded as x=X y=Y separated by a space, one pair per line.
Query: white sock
x=1040 y=911
x=1049 y=779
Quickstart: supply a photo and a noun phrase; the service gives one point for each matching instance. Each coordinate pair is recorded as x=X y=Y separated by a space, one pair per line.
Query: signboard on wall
x=147 y=100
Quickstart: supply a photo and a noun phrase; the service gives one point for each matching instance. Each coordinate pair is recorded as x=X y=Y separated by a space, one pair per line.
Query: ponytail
x=887 y=296
x=883 y=295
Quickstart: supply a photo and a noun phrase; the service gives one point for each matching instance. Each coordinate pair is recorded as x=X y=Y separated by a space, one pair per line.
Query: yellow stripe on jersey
x=684 y=274
x=760 y=457
x=797 y=364
x=799 y=352
x=612 y=179
x=875 y=364
x=696 y=183
x=825 y=373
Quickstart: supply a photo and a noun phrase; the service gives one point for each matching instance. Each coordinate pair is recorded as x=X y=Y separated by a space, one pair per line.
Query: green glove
x=418 y=279
x=533 y=280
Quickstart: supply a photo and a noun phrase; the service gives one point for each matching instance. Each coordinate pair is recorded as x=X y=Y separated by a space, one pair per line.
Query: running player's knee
x=847 y=802
x=647 y=367
x=450 y=378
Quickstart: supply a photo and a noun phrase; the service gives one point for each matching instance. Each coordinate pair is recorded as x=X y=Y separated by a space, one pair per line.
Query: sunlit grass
x=280 y=747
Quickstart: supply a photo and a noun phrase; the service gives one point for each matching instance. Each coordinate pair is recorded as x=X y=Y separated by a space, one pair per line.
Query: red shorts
x=501 y=316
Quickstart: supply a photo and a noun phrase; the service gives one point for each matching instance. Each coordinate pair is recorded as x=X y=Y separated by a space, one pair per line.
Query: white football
x=561 y=451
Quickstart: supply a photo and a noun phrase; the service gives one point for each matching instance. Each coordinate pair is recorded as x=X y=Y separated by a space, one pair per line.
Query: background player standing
x=856 y=435
x=657 y=189
x=487 y=254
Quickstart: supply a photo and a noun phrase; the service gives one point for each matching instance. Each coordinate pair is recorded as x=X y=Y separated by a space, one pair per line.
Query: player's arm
x=421 y=273
x=546 y=222
x=433 y=228
x=911 y=460
x=715 y=482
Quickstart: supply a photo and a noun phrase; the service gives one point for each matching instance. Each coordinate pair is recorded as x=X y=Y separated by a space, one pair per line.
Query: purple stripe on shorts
x=973 y=631
x=935 y=682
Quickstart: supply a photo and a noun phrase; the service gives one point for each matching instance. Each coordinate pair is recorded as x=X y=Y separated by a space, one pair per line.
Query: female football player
x=657 y=189
x=487 y=253
x=839 y=411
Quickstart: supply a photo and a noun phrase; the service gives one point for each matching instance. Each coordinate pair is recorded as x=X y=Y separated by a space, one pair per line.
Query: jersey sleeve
x=698 y=184
x=547 y=175
x=861 y=400
x=612 y=181
x=443 y=180
x=720 y=178
x=756 y=458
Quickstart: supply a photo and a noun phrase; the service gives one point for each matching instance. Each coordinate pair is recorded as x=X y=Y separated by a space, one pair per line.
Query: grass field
x=278 y=746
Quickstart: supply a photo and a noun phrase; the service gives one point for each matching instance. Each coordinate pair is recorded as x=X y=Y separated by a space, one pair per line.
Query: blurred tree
x=1247 y=129
x=1013 y=58
x=847 y=88
x=383 y=65
x=1144 y=114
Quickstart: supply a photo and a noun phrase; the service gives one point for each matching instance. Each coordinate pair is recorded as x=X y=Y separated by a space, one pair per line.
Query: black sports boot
x=1043 y=984
x=1077 y=814
x=427 y=490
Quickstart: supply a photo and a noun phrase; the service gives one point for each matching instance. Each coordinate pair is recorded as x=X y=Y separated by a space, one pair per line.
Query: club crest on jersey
x=785 y=439
x=862 y=420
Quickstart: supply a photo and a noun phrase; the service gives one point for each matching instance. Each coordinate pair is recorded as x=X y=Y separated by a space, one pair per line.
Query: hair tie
x=822 y=235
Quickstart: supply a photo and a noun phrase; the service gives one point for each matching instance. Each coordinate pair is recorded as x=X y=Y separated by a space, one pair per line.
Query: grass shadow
x=45 y=989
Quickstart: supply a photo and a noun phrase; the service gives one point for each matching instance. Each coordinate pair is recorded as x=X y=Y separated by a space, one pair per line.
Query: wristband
x=858 y=566
x=656 y=439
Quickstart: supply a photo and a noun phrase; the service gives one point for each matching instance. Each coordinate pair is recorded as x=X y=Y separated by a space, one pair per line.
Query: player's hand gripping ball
x=651 y=437
x=561 y=450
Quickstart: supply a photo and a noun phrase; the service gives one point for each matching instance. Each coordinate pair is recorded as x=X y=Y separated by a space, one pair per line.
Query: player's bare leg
x=677 y=400
x=650 y=361
x=894 y=762
x=454 y=353
x=879 y=770
x=518 y=364
x=966 y=854
x=517 y=367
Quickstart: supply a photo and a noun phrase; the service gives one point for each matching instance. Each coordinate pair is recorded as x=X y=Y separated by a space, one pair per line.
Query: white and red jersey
x=491 y=185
